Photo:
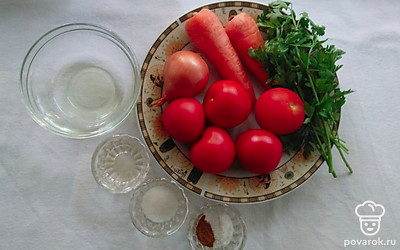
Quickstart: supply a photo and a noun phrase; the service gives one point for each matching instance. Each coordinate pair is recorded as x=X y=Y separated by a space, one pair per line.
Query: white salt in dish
x=159 y=204
x=222 y=227
x=158 y=208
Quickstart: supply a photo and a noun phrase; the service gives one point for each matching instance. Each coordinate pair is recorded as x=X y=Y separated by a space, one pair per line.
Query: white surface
x=49 y=199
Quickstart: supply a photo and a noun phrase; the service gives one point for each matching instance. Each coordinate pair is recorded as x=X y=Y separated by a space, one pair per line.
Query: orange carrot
x=243 y=33
x=208 y=35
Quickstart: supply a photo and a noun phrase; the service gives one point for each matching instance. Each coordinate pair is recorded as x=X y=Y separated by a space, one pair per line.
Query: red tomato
x=227 y=103
x=280 y=111
x=214 y=152
x=258 y=151
x=184 y=119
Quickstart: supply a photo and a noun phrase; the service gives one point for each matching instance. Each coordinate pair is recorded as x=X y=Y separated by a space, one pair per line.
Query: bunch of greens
x=295 y=57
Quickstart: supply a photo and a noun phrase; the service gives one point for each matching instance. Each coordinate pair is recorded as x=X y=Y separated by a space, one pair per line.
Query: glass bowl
x=227 y=228
x=158 y=208
x=79 y=80
x=120 y=163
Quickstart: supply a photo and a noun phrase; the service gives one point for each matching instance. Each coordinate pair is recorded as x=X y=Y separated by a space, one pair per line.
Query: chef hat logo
x=369 y=214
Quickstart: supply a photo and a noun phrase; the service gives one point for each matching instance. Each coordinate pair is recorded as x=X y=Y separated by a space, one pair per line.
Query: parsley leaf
x=296 y=58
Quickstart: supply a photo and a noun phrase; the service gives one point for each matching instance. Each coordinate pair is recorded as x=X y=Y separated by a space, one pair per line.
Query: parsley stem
x=339 y=148
x=328 y=144
x=308 y=73
x=326 y=137
x=319 y=143
x=296 y=59
x=312 y=86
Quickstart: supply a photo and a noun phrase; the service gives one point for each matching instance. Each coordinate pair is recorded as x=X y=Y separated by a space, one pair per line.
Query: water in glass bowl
x=86 y=93
x=80 y=80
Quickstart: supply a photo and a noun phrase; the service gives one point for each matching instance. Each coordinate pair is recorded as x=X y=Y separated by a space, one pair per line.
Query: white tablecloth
x=49 y=199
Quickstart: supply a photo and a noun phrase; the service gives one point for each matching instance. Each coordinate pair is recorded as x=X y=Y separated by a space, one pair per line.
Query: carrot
x=208 y=35
x=243 y=33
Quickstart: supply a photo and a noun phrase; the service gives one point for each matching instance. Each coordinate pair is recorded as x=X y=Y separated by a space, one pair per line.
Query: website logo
x=370 y=214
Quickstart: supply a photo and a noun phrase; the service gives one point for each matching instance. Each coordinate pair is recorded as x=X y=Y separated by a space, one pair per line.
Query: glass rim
x=191 y=230
x=41 y=42
x=108 y=140
x=132 y=203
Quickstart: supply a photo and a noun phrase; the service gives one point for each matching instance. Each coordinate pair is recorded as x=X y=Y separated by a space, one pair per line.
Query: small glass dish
x=79 y=80
x=120 y=163
x=158 y=208
x=220 y=227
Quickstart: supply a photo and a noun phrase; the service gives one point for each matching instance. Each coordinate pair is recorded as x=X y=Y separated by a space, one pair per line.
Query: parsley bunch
x=296 y=58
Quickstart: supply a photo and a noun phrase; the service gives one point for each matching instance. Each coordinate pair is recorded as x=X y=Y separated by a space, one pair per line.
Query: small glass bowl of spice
x=120 y=163
x=217 y=226
x=158 y=208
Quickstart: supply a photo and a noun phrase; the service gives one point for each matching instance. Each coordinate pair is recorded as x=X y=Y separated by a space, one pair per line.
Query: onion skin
x=185 y=74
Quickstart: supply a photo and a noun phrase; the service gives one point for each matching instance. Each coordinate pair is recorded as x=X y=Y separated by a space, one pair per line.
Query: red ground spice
x=204 y=232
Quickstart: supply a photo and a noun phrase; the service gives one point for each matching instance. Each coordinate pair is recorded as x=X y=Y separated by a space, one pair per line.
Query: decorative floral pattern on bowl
x=235 y=185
